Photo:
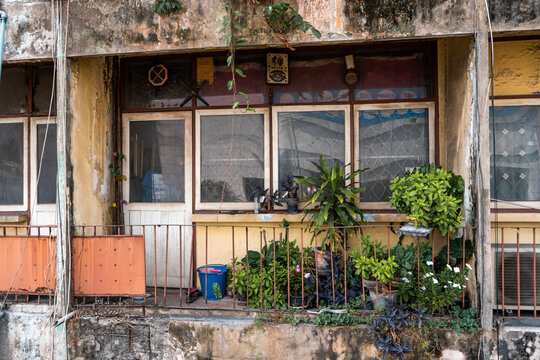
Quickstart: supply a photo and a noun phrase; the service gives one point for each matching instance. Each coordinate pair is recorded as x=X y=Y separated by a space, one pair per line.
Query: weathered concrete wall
x=28 y=29
x=515 y=15
x=517 y=344
x=25 y=332
x=92 y=115
x=112 y=27
x=232 y=337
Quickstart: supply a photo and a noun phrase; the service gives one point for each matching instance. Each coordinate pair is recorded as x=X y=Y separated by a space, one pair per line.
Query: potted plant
x=430 y=196
x=290 y=187
x=264 y=200
x=295 y=283
x=375 y=269
x=335 y=213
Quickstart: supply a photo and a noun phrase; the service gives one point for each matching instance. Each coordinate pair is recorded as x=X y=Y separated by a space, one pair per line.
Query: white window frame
x=34 y=165
x=156 y=116
x=266 y=142
x=305 y=108
x=523 y=204
x=391 y=106
x=24 y=205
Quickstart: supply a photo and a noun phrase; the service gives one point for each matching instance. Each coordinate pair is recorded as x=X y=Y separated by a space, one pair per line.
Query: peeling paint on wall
x=517 y=67
x=91 y=153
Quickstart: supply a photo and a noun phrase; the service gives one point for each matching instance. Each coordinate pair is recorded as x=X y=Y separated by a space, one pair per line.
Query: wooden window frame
x=24 y=206
x=157 y=116
x=34 y=164
x=346 y=108
x=523 y=205
x=430 y=105
x=218 y=206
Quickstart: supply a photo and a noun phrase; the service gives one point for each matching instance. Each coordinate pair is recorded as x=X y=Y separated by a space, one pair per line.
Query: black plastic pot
x=292 y=205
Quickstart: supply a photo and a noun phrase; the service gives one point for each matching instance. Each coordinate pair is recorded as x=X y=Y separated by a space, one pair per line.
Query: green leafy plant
x=283 y=18
x=167 y=6
x=439 y=290
x=430 y=196
x=461 y=321
x=335 y=207
x=456 y=251
x=382 y=269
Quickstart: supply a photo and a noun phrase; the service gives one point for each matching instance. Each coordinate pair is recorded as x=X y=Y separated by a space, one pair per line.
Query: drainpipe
x=3 y=17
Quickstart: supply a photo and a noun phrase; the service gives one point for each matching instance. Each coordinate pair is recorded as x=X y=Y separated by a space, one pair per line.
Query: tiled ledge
x=278 y=218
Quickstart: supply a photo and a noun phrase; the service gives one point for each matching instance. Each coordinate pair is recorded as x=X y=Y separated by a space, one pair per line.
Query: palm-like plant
x=336 y=213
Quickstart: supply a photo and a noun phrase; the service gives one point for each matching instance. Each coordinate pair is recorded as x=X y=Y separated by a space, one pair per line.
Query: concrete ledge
x=12 y=218
x=109 y=332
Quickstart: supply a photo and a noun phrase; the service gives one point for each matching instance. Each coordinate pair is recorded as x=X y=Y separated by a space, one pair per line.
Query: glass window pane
x=47 y=178
x=253 y=85
x=517 y=130
x=139 y=93
x=313 y=79
x=390 y=141
x=304 y=137
x=42 y=87
x=245 y=171
x=13 y=91
x=156 y=161
x=11 y=163
x=394 y=75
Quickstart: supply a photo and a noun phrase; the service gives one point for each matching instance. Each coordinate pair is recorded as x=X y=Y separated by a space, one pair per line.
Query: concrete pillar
x=63 y=272
x=481 y=169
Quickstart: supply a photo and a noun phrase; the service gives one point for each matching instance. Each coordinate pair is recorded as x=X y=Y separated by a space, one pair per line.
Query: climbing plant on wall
x=167 y=6
x=282 y=18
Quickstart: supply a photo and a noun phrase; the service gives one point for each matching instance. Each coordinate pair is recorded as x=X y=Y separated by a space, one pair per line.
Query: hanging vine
x=230 y=26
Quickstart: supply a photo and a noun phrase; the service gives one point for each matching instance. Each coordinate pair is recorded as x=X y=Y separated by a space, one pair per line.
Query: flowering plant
x=440 y=290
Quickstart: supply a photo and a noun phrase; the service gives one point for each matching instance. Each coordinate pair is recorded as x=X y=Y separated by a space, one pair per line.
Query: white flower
x=430 y=263
x=456 y=269
x=423 y=288
x=406 y=280
x=464 y=287
x=445 y=286
x=456 y=285
x=409 y=272
x=468 y=266
x=448 y=266
x=466 y=278
x=435 y=281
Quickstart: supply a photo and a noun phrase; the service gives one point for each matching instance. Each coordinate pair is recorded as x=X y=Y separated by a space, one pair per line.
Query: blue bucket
x=217 y=274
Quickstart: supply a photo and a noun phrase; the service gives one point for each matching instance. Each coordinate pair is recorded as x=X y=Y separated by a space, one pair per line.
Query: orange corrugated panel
x=108 y=265
x=36 y=257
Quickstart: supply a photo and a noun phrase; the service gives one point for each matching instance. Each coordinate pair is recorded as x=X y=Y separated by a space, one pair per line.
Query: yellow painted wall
x=215 y=240
x=517 y=67
x=91 y=140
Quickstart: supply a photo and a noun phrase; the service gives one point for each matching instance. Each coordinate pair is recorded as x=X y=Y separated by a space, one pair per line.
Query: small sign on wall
x=277 y=68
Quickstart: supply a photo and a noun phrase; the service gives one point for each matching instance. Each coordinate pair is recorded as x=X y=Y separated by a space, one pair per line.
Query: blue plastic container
x=217 y=274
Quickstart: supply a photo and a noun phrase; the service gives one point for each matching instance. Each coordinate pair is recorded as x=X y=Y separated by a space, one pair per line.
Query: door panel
x=161 y=199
